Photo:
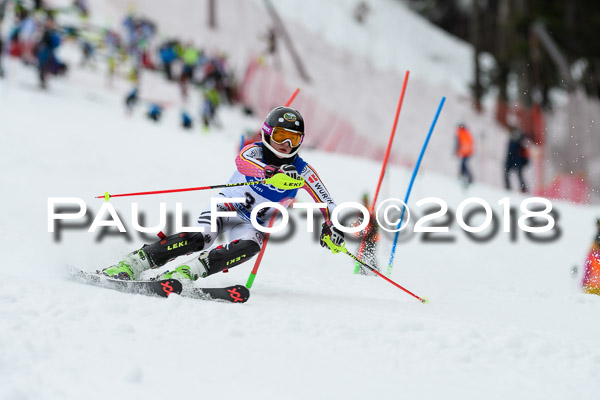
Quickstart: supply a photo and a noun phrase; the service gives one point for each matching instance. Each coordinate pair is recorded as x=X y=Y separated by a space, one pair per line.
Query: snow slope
x=505 y=319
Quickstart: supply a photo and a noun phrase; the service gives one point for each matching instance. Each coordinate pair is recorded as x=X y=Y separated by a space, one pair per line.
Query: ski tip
x=424 y=300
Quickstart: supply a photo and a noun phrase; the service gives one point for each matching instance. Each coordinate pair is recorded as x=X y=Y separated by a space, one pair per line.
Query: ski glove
x=336 y=236
x=290 y=171
x=271 y=170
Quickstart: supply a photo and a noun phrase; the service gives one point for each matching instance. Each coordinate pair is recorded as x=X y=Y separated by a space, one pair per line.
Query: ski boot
x=130 y=267
x=196 y=268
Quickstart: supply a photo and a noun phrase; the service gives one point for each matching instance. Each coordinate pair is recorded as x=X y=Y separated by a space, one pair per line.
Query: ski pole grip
x=334 y=247
x=282 y=181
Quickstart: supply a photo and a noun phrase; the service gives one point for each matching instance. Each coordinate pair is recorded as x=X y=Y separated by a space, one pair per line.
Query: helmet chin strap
x=278 y=153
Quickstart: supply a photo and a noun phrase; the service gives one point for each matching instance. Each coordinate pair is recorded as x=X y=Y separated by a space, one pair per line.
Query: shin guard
x=232 y=254
x=172 y=247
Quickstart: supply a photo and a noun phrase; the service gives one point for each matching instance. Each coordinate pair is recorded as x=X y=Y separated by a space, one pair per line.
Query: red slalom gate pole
x=291 y=99
x=385 y=161
x=389 y=146
x=260 y=255
x=286 y=203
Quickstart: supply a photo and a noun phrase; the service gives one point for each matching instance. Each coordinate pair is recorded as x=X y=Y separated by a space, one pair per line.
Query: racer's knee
x=232 y=254
x=174 y=246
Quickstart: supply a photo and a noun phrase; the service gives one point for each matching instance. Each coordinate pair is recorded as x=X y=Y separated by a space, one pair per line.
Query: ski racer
x=282 y=136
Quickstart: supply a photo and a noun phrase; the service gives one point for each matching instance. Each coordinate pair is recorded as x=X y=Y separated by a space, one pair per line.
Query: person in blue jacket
x=517 y=157
x=167 y=56
x=45 y=51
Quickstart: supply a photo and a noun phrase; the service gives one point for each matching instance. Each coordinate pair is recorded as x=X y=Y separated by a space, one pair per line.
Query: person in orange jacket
x=464 y=150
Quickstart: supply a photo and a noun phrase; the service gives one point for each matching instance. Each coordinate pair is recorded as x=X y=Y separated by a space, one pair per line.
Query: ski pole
x=107 y=196
x=280 y=181
x=342 y=249
x=412 y=180
x=383 y=167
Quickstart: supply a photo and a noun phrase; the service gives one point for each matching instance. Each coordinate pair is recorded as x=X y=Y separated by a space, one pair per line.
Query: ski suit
x=245 y=240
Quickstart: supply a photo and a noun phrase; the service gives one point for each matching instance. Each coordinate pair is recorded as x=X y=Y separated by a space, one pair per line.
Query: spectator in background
x=139 y=32
x=1 y=49
x=134 y=74
x=209 y=107
x=186 y=120
x=45 y=51
x=23 y=35
x=361 y=10
x=517 y=158
x=168 y=55
x=214 y=73
x=155 y=112
x=3 y=4
x=190 y=56
x=1 y=69
x=82 y=7
x=271 y=39
x=464 y=150
x=271 y=48
x=87 y=52
x=112 y=43
x=131 y=100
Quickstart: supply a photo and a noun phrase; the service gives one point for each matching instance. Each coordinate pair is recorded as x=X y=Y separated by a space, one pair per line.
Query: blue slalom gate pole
x=412 y=180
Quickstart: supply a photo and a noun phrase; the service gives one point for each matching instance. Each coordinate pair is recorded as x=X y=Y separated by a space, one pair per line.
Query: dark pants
x=519 y=169
x=465 y=172
x=1 y=71
x=168 y=70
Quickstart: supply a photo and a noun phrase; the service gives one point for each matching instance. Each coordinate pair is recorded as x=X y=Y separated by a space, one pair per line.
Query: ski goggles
x=281 y=135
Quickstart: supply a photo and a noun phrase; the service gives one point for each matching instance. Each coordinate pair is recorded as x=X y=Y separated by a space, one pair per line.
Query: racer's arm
x=317 y=190
x=248 y=161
